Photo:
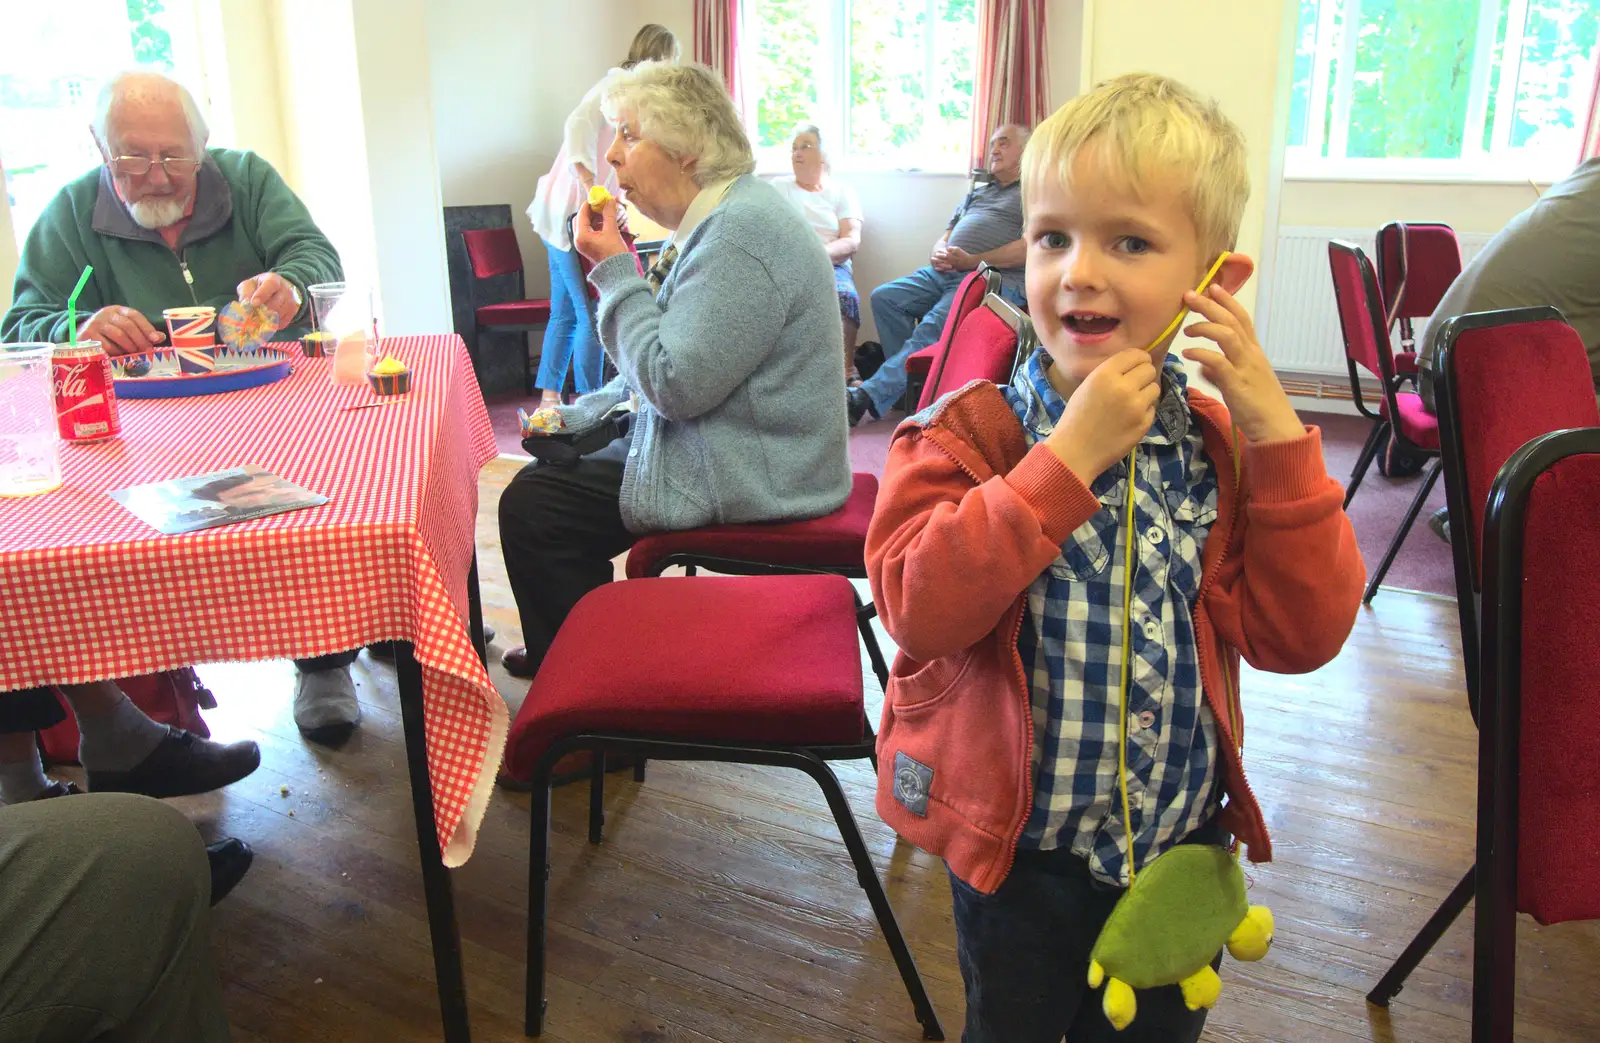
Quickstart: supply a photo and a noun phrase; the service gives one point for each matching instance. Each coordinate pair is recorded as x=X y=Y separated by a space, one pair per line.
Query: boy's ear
x=1234 y=273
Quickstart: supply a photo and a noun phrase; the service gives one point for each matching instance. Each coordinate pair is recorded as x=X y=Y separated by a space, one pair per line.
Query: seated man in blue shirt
x=911 y=311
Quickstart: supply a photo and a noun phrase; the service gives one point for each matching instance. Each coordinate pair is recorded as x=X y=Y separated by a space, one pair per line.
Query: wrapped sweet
x=390 y=376
x=598 y=197
x=546 y=421
x=244 y=326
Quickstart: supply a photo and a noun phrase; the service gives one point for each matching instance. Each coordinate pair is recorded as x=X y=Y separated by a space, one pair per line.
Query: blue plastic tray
x=155 y=374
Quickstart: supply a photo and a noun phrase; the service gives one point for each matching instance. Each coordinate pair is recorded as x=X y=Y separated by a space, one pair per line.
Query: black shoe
x=1439 y=522
x=515 y=660
x=858 y=404
x=230 y=860
x=181 y=764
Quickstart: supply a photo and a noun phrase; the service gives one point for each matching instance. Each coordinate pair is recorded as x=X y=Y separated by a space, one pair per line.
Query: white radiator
x=1303 y=323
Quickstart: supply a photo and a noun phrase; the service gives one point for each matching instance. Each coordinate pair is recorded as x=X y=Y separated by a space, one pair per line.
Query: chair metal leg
x=1369 y=449
x=868 y=876
x=436 y=889
x=1394 y=979
x=538 y=892
x=865 y=613
x=597 y=795
x=1494 y=939
x=475 y=612
x=1400 y=536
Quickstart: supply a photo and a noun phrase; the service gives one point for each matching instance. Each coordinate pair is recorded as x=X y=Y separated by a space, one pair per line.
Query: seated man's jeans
x=910 y=314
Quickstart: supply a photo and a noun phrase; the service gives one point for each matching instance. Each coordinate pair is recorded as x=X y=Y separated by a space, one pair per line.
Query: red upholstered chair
x=1400 y=414
x=492 y=252
x=835 y=544
x=643 y=668
x=1538 y=798
x=985 y=344
x=970 y=295
x=1416 y=265
x=1503 y=379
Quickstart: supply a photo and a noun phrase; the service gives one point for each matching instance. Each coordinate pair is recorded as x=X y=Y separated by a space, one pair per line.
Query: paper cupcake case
x=390 y=383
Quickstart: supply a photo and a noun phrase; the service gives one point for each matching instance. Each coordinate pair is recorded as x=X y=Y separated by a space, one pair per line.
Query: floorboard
x=722 y=906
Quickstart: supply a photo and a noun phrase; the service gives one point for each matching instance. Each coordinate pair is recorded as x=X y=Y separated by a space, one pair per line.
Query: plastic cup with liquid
x=343 y=311
x=30 y=460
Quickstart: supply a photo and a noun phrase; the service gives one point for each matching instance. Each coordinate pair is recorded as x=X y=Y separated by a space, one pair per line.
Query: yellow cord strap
x=1127 y=587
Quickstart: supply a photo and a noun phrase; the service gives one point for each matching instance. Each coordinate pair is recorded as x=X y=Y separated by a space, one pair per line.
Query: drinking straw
x=72 y=305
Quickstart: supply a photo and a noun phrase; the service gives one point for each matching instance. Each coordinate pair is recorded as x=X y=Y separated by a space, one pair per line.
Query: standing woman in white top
x=569 y=337
x=832 y=210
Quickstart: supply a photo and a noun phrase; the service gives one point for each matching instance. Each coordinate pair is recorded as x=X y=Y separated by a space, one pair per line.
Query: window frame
x=1500 y=163
x=833 y=113
x=193 y=66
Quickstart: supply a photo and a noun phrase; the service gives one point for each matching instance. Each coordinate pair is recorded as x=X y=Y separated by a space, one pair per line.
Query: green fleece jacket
x=245 y=221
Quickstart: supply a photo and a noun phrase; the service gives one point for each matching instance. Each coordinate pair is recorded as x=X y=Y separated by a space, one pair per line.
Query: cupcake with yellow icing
x=390 y=376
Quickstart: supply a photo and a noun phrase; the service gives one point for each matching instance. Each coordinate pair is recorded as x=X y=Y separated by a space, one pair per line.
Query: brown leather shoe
x=181 y=764
x=515 y=660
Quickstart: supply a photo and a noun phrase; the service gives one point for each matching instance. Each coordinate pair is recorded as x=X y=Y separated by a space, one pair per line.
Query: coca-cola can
x=86 y=397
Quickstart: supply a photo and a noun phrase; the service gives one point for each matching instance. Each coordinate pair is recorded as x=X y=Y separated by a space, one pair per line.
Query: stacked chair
x=1522 y=495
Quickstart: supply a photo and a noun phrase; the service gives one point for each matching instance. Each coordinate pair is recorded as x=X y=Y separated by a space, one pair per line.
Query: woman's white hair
x=139 y=85
x=685 y=110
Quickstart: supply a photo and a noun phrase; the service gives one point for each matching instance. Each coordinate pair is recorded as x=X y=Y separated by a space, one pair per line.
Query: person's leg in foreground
x=105 y=901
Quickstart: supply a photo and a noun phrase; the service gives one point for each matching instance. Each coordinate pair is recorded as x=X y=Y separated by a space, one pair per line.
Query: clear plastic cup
x=343 y=311
x=30 y=460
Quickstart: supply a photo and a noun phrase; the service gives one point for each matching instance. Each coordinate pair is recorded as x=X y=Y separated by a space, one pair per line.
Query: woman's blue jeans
x=569 y=339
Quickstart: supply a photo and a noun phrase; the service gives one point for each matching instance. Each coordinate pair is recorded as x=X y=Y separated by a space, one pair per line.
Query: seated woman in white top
x=831 y=208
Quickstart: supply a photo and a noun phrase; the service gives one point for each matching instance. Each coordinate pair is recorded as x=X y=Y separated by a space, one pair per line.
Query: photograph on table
x=220 y=498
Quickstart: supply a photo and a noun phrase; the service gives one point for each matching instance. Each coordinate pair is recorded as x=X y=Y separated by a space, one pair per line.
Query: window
x=54 y=56
x=1491 y=89
x=888 y=81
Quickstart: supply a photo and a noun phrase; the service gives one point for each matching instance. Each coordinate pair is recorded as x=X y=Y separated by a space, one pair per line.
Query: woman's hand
x=598 y=244
x=584 y=174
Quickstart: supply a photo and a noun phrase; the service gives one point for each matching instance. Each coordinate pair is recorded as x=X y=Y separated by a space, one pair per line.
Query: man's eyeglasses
x=139 y=166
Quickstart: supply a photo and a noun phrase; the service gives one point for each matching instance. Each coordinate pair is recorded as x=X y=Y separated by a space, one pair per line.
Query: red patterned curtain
x=716 y=41
x=1013 y=82
x=1591 y=122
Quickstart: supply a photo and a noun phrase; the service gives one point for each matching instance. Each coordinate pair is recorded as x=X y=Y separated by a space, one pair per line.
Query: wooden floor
x=722 y=905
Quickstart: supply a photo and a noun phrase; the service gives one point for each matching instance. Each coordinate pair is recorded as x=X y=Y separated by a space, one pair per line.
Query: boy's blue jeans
x=1024 y=953
x=569 y=336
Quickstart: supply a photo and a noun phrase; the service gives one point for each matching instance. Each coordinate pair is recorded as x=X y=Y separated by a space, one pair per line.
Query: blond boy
x=998 y=551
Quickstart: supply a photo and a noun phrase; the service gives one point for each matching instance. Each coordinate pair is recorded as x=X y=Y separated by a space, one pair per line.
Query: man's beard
x=158 y=212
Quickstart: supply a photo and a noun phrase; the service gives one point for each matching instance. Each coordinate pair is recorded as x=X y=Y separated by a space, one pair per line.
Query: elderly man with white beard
x=167 y=223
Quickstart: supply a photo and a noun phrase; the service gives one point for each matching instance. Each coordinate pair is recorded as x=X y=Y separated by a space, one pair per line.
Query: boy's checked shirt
x=1071 y=647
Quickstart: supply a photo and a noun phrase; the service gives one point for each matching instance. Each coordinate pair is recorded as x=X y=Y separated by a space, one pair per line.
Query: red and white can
x=86 y=398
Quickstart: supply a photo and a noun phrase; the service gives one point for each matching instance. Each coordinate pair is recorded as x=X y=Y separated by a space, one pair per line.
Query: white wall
x=357 y=139
x=1371 y=204
x=498 y=112
x=391 y=50
x=505 y=75
x=323 y=135
x=242 y=76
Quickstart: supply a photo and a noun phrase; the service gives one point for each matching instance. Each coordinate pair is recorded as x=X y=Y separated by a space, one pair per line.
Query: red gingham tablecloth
x=90 y=592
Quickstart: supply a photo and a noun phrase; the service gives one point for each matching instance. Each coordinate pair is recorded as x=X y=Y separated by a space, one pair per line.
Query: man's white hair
x=139 y=84
x=686 y=110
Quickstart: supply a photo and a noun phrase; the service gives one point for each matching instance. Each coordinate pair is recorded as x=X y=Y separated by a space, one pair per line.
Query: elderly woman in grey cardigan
x=730 y=346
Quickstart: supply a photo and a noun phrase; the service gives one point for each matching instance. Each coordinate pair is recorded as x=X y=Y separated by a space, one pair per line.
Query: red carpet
x=1423 y=563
